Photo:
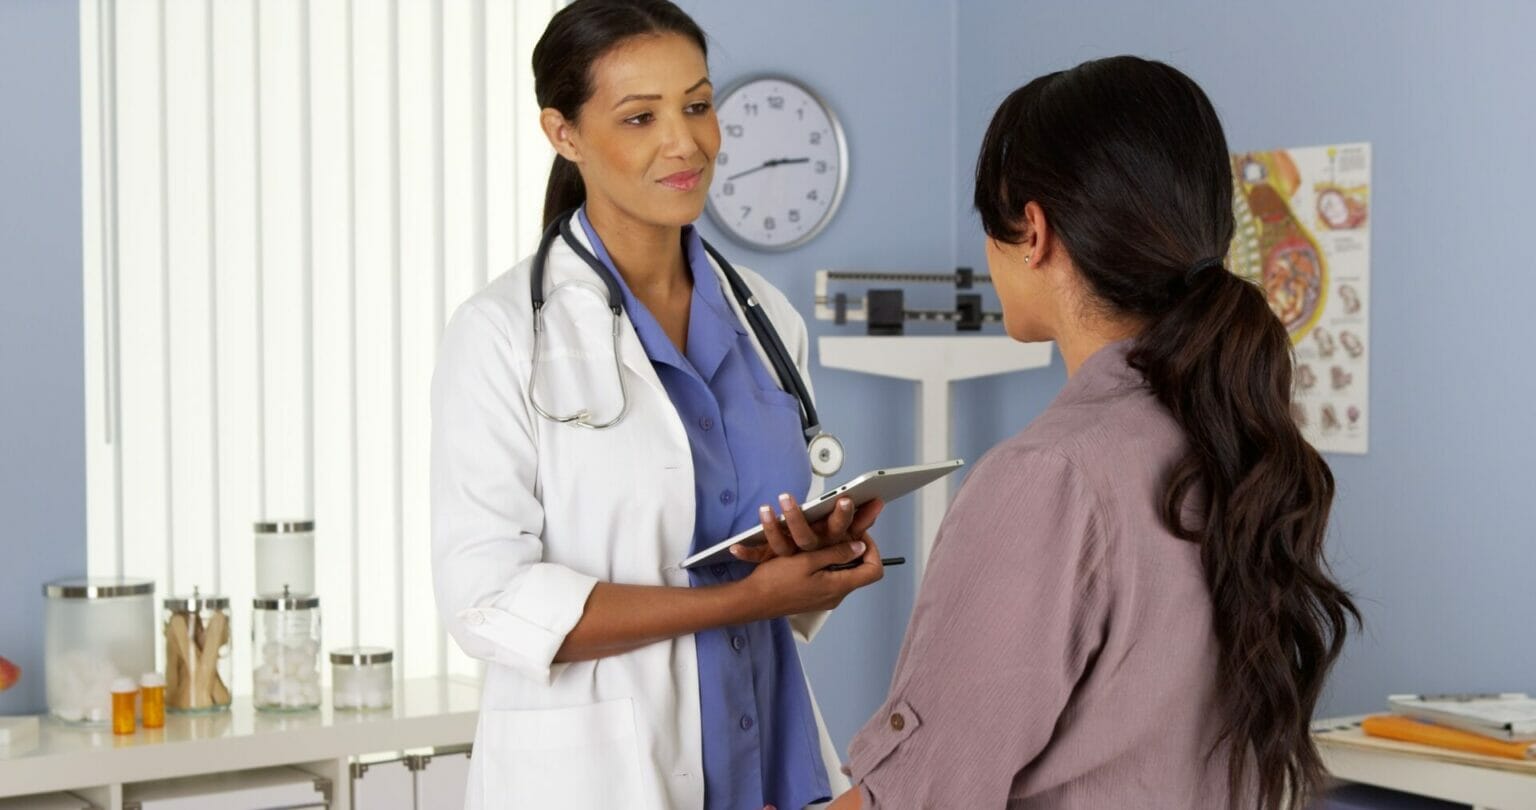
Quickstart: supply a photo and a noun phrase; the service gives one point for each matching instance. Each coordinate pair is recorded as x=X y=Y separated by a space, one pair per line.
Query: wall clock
x=782 y=166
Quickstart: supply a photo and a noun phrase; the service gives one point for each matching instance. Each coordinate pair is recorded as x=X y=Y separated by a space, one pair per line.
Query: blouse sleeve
x=1009 y=615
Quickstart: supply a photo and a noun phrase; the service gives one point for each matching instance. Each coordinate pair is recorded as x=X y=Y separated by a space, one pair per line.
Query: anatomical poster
x=1304 y=235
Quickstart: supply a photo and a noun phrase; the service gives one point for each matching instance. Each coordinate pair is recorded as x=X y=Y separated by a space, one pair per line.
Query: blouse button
x=898 y=722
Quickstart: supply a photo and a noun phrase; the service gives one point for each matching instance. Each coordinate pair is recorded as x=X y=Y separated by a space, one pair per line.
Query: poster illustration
x=1304 y=235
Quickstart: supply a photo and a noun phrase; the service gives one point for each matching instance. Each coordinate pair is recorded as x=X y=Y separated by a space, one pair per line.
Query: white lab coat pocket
x=576 y=757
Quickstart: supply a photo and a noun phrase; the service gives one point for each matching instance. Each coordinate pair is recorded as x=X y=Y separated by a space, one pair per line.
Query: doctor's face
x=646 y=139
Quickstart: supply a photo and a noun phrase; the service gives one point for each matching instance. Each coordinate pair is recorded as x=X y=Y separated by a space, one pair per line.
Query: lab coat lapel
x=565 y=265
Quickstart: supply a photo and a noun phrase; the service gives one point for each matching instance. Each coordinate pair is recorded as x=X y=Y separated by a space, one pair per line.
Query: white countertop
x=427 y=712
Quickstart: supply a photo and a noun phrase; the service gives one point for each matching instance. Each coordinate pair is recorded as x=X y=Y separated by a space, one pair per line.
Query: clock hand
x=768 y=164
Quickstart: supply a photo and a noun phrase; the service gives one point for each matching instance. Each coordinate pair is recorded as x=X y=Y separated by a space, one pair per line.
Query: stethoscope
x=825 y=450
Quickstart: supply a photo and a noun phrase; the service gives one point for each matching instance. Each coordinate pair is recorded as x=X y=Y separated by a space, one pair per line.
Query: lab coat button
x=474 y=617
x=737 y=643
x=898 y=722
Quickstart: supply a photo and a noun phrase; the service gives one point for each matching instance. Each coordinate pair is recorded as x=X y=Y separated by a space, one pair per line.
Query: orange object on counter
x=125 y=695
x=152 y=693
x=1393 y=727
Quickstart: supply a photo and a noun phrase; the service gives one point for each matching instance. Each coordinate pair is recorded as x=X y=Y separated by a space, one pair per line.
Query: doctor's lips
x=682 y=181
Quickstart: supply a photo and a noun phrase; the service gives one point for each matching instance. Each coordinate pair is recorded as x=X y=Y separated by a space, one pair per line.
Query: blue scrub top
x=760 y=740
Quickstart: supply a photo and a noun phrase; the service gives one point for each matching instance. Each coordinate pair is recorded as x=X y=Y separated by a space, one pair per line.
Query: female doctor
x=600 y=412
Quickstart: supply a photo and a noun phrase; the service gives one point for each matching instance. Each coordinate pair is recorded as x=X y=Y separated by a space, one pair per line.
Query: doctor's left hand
x=844 y=525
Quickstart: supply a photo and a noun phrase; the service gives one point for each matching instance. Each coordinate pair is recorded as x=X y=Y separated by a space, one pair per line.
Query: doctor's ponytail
x=577 y=36
x=1128 y=162
x=565 y=190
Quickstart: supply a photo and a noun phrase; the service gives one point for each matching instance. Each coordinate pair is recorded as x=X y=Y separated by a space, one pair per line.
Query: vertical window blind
x=283 y=200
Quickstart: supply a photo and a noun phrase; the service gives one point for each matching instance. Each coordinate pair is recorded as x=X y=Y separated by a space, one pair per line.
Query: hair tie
x=1202 y=266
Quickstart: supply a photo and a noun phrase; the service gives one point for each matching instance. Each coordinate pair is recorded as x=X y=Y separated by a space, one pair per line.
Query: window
x=283 y=201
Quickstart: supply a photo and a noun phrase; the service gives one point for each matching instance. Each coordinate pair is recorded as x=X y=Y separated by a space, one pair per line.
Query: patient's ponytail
x=1127 y=160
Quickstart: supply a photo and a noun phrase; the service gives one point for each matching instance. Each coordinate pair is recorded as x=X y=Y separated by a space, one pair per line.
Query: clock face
x=782 y=165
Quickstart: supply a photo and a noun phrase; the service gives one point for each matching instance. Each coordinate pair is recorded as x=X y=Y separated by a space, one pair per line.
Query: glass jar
x=95 y=631
x=285 y=557
x=362 y=678
x=198 y=641
x=285 y=639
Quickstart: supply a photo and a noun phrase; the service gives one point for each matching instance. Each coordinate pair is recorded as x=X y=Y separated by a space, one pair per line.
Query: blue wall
x=1430 y=529
x=889 y=77
x=42 y=378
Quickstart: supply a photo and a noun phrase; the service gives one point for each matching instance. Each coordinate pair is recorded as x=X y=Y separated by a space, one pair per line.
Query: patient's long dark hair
x=576 y=37
x=1127 y=159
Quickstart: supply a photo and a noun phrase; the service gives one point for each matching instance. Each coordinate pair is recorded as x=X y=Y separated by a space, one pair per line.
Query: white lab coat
x=528 y=515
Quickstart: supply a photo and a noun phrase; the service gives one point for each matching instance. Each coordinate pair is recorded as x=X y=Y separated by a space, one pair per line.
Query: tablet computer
x=887 y=485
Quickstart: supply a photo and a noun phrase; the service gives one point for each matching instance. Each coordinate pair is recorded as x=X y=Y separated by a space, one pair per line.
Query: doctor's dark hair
x=577 y=36
x=1127 y=160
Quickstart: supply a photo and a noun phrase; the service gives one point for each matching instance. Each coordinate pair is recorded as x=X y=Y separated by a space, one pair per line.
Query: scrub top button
x=706 y=423
x=727 y=497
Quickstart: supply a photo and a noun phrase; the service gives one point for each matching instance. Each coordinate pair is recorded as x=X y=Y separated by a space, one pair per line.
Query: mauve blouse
x=1061 y=652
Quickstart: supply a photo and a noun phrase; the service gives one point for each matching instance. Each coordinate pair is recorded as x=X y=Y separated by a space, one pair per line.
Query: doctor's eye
x=698 y=107
x=640 y=120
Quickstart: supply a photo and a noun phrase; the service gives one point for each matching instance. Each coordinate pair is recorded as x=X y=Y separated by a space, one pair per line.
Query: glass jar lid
x=98 y=588
x=197 y=601
x=359 y=656
x=285 y=527
x=285 y=601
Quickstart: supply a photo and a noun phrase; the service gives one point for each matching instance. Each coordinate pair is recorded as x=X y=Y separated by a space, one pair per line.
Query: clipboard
x=887 y=485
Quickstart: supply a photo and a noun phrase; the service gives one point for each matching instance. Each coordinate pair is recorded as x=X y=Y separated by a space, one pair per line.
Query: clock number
x=815 y=138
x=776 y=102
x=734 y=130
x=745 y=210
x=750 y=108
x=821 y=167
x=728 y=189
x=800 y=114
x=722 y=159
x=812 y=195
x=794 y=215
x=769 y=224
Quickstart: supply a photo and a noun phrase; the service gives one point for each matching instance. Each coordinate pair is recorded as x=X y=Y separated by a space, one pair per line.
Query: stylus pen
x=856 y=563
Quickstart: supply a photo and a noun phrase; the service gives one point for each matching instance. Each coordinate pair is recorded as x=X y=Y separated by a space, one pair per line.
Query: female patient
x=1128 y=604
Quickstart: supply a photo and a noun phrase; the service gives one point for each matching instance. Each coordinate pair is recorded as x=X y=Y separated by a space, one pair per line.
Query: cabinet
x=425 y=779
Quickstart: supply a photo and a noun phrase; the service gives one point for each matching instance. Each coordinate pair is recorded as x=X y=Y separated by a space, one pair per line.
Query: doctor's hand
x=785 y=586
x=844 y=525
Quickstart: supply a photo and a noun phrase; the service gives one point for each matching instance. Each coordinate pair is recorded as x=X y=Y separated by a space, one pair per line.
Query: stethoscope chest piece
x=826 y=455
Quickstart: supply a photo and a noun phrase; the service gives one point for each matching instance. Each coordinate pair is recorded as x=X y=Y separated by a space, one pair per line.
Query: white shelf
x=933 y=362
x=428 y=712
x=923 y=357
